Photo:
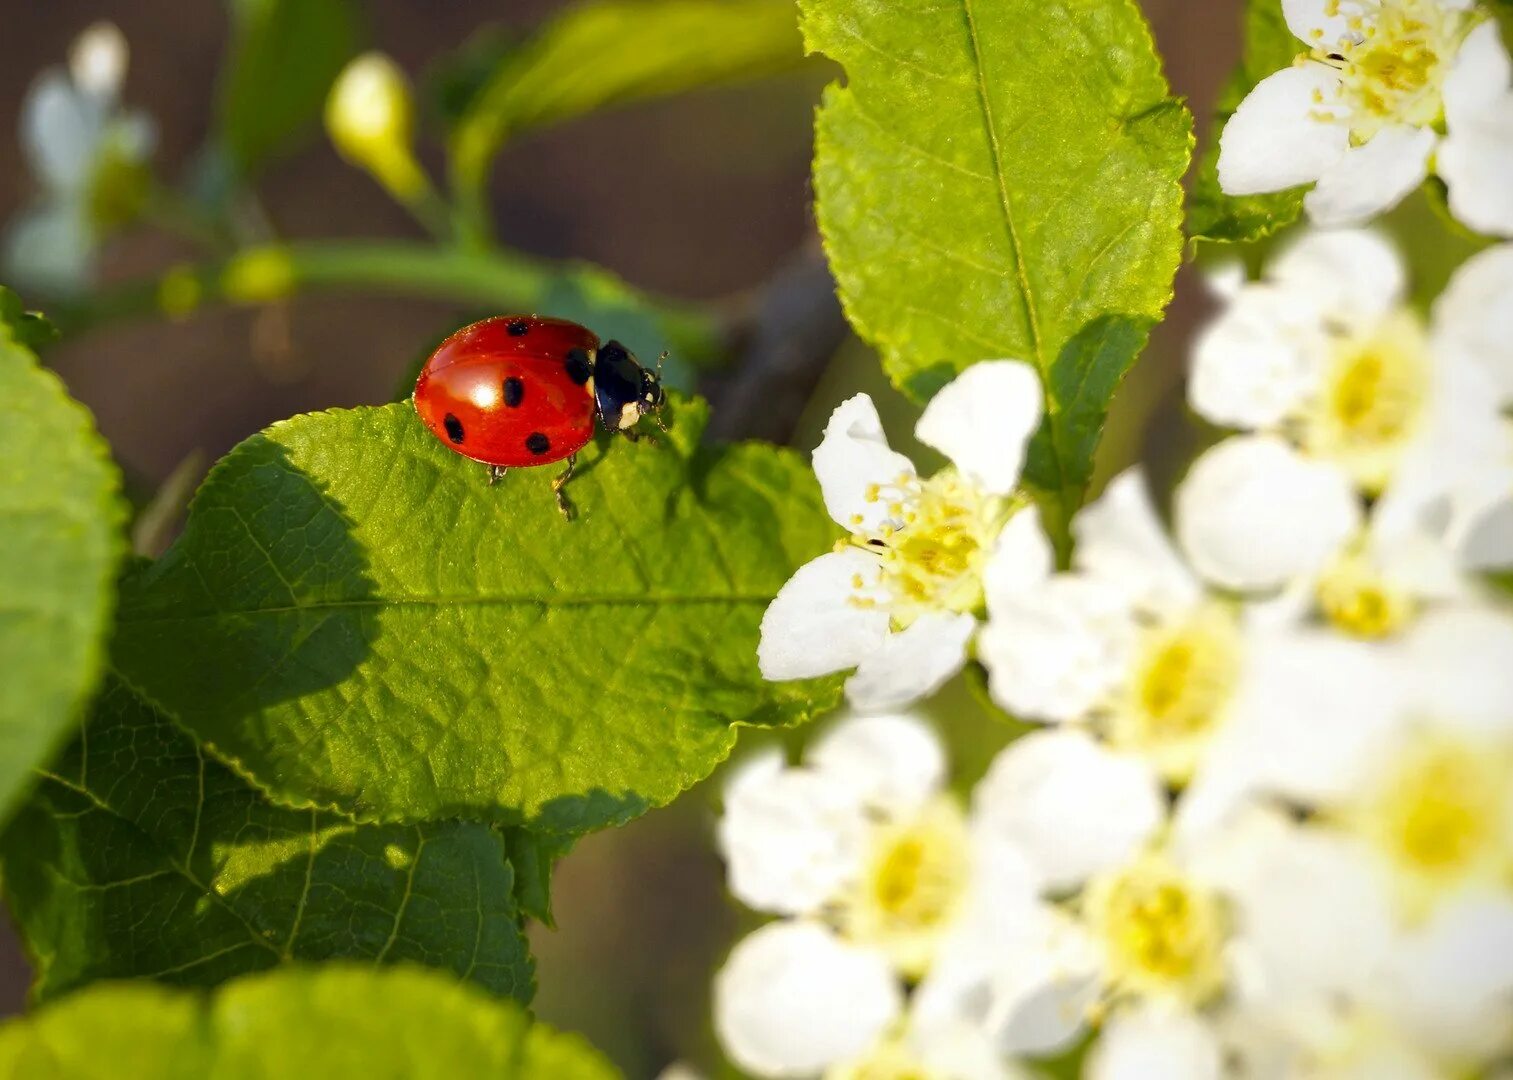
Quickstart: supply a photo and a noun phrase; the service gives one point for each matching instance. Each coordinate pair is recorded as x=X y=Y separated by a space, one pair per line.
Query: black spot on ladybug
x=578 y=366
x=537 y=443
x=517 y=328
x=514 y=392
x=454 y=428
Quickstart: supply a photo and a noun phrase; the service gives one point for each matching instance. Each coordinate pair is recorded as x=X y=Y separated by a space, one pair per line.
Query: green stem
x=498 y=280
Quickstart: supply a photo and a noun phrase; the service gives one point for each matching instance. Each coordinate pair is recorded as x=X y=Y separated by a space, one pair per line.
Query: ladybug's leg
x=496 y=474
x=559 y=482
x=636 y=436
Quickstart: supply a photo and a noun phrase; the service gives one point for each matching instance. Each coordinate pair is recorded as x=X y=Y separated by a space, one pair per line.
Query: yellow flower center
x=1375 y=394
x=1392 y=61
x=889 y=1060
x=1184 y=674
x=1358 y=599
x=1441 y=815
x=933 y=545
x=1162 y=933
x=913 y=885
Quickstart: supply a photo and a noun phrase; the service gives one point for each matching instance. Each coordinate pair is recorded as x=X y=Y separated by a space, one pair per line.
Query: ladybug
x=521 y=390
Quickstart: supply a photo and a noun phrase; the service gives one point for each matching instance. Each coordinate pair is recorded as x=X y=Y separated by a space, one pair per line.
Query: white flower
x=793 y=999
x=1358 y=113
x=1130 y=642
x=1324 y=352
x=88 y=156
x=1105 y=920
x=1414 y=767
x=897 y=600
x=861 y=836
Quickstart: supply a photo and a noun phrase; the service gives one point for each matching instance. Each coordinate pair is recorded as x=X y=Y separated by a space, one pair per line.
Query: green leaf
x=994 y=179
x=359 y=621
x=533 y=855
x=336 y=1021
x=140 y=857
x=1212 y=215
x=284 y=56
x=614 y=52
x=61 y=517
x=29 y=329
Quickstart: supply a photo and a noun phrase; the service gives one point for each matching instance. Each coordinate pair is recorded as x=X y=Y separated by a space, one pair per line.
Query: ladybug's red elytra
x=522 y=390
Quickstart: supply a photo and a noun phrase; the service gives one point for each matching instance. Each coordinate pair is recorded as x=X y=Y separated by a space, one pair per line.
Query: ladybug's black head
x=624 y=391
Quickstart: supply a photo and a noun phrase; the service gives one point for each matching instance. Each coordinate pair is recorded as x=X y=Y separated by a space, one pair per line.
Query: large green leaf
x=284 y=56
x=332 y=1021
x=140 y=857
x=613 y=52
x=358 y=621
x=60 y=541
x=1213 y=215
x=994 y=179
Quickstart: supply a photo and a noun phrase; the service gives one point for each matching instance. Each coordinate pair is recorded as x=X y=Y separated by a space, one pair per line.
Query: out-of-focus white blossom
x=1109 y=920
x=1359 y=114
x=1130 y=642
x=897 y=600
x=88 y=156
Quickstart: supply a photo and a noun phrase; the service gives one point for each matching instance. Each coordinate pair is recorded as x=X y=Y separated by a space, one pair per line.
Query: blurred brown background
x=701 y=197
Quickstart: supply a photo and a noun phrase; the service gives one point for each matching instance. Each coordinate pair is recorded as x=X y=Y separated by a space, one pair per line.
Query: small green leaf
x=284 y=56
x=993 y=180
x=29 y=329
x=61 y=517
x=533 y=855
x=614 y=52
x=138 y=856
x=332 y=1021
x=1213 y=215
x=359 y=621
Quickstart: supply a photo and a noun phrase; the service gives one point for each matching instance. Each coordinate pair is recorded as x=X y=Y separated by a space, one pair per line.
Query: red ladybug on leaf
x=523 y=390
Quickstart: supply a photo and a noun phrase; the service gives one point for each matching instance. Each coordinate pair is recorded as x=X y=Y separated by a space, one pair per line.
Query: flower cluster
x=1267 y=830
x=1381 y=92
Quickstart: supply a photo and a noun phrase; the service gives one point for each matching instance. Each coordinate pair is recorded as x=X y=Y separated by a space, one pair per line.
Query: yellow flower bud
x=370 y=117
x=258 y=276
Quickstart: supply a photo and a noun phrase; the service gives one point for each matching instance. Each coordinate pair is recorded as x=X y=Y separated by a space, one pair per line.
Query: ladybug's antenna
x=659 y=363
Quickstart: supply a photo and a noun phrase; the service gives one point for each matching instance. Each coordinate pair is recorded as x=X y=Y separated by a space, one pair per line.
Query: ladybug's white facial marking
x=630 y=412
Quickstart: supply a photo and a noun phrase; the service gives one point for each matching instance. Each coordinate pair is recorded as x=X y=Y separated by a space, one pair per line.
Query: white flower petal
x=1459 y=663
x=1315 y=22
x=1473 y=318
x=852 y=458
x=792 y=838
x=1371 y=179
x=1332 y=274
x=1121 y=542
x=1478 y=80
x=1056 y=651
x=1454 y=977
x=895 y=762
x=1487 y=543
x=1252 y=514
x=912 y=663
x=1311 y=716
x=982 y=421
x=1276 y=138
x=60 y=131
x=1155 y=1039
x=962 y=1051
x=1028 y=975
x=812 y=627
x=1021 y=560
x=1475 y=160
x=1073 y=807
x=1314 y=911
x=1254 y=366
x=49 y=250
x=792 y=999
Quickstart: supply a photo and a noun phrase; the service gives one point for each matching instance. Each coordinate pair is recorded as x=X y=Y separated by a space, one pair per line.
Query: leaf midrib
x=466 y=601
